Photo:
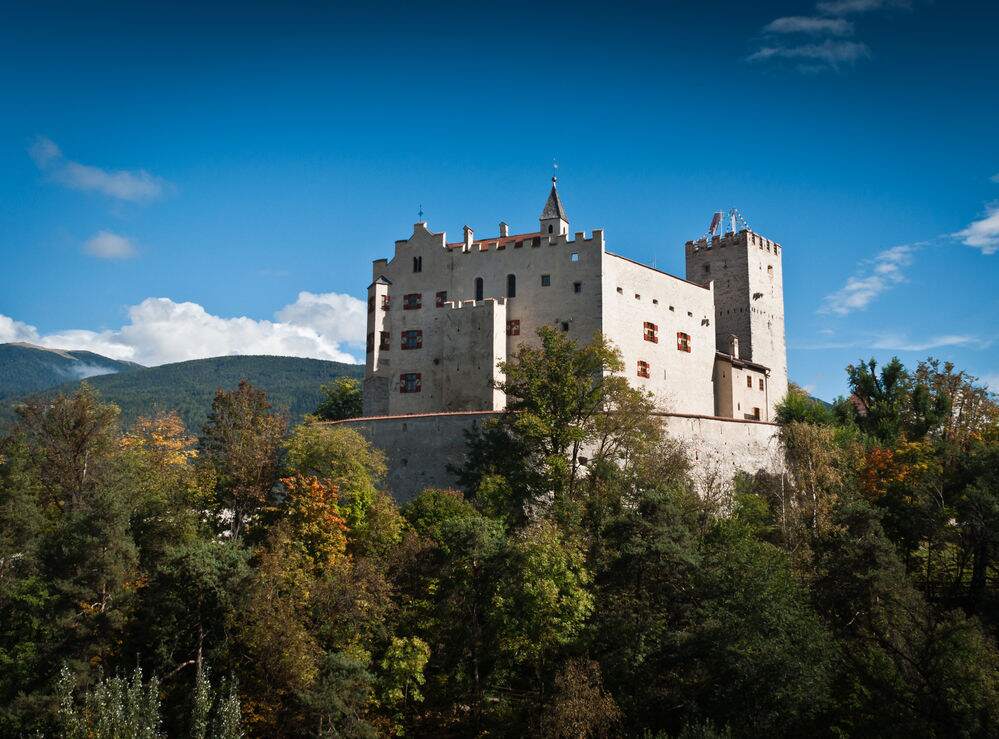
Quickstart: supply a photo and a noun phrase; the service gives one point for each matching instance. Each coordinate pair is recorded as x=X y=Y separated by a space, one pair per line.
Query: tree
x=342 y=399
x=240 y=444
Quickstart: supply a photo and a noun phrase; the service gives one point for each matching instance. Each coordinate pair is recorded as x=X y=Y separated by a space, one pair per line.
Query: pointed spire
x=553 y=208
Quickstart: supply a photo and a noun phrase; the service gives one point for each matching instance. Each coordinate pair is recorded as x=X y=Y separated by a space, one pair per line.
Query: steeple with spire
x=553 y=218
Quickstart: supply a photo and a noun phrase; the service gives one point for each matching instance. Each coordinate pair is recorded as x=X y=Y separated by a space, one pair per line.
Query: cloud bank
x=123 y=184
x=160 y=331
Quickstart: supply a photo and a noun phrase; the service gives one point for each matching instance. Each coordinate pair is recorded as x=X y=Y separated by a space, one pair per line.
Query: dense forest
x=25 y=368
x=292 y=385
x=252 y=578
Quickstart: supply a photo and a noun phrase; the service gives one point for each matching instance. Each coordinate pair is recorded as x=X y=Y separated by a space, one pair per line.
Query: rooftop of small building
x=744 y=363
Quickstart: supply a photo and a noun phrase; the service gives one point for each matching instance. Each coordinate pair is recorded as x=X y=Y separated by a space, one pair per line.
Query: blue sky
x=187 y=181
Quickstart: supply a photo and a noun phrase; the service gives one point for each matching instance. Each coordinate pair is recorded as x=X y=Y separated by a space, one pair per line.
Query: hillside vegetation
x=291 y=383
x=25 y=368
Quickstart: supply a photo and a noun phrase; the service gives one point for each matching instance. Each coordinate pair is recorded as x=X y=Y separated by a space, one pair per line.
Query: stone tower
x=749 y=299
x=553 y=219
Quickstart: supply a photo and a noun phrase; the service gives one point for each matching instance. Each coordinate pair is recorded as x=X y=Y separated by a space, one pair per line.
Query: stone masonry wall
x=419 y=448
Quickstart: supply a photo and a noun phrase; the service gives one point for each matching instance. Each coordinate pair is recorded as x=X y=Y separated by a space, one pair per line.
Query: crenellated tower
x=747 y=273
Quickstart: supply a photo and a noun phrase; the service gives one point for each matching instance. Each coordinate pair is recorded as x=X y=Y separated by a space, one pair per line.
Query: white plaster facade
x=442 y=315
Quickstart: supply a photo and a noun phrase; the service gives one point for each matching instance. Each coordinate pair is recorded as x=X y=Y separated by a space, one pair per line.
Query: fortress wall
x=419 y=448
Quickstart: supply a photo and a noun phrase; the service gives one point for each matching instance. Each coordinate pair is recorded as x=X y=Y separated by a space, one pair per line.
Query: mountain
x=292 y=385
x=26 y=368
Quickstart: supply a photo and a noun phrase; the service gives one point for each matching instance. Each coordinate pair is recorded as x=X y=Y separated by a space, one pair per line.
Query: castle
x=709 y=347
x=441 y=316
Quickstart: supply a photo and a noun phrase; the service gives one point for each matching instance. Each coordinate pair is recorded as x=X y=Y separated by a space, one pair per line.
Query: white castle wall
x=419 y=448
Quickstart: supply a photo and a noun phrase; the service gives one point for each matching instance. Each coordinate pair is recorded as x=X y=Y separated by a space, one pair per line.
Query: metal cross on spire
x=421 y=212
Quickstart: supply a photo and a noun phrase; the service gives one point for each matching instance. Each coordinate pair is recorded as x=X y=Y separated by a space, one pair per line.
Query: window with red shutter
x=386 y=302
x=412 y=301
x=409 y=382
x=643 y=369
x=412 y=339
x=651 y=332
x=682 y=341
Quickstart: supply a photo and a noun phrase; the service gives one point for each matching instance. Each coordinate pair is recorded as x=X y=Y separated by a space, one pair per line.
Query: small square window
x=412 y=301
x=643 y=369
x=513 y=327
x=691 y=315
x=655 y=301
x=574 y=257
x=440 y=298
x=565 y=326
x=621 y=290
x=672 y=308
x=577 y=287
x=637 y=296
x=546 y=280
x=682 y=341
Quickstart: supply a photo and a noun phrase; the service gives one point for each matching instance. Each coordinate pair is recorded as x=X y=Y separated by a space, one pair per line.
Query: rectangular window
x=643 y=369
x=565 y=326
x=546 y=280
x=761 y=383
x=513 y=327
x=385 y=341
x=412 y=301
x=682 y=341
x=412 y=339
x=749 y=380
x=577 y=287
x=417 y=264
x=651 y=332
x=574 y=257
x=371 y=304
x=371 y=343
x=386 y=302
x=441 y=298
x=409 y=382
x=756 y=414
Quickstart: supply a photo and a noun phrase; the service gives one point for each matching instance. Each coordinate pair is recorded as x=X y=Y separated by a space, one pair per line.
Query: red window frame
x=386 y=302
x=412 y=301
x=412 y=339
x=440 y=299
x=643 y=369
x=513 y=327
x=682 y=341
x=650 y=332
x=410 y=382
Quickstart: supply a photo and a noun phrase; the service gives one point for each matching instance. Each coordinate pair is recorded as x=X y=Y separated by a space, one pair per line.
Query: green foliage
x=293 y=385
x=341 y=399
x=800 y=407
x=114 y=708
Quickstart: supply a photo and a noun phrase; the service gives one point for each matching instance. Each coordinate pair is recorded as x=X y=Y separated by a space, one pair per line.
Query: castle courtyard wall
x=419 y=448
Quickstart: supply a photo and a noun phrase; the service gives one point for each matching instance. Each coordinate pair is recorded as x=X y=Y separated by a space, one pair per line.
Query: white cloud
x=161 y=331
x=991 y=381
x=123 y=184
x=847 y=7
x=107 y=245
x=811 y=25
x=829 y=54
x=900 y=342
x=984 y=233
x=995 y=177
x=873 y=277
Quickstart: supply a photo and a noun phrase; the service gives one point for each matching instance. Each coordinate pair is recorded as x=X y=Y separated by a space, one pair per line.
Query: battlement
x=528 y=240
x=745 y=237
x=460 y=304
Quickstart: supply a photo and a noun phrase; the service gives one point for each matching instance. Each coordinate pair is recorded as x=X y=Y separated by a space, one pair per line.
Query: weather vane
x=421 y=211
x=554 y=170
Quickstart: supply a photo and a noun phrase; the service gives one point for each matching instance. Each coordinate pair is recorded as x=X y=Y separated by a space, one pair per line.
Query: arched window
x=478 y=288
x=511 y=286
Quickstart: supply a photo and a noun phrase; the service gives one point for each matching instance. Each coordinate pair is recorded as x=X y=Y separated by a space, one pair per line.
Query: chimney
x=504 y=229
x=469 y=238
x=733 y=346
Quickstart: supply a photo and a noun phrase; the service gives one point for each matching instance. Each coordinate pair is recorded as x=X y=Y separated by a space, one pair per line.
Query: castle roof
x=742 y=362
x=553 y=208
x=496 y=241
